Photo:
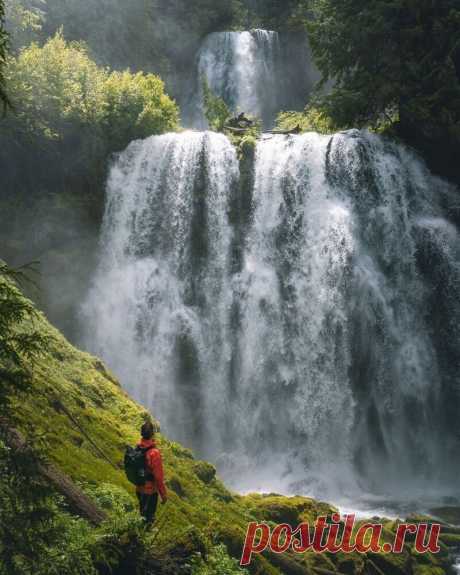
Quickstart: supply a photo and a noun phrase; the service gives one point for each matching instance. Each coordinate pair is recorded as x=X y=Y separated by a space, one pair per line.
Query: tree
x=75 y=113
x=280 y=14
x=20 y=342
x=216 y=110
x=310 y=120
x=58 y=88
x=24 y=20
x=396 y=60
x=3 y=54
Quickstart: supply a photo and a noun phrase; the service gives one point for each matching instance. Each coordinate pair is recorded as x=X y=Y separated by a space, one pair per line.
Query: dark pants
x=148 y=506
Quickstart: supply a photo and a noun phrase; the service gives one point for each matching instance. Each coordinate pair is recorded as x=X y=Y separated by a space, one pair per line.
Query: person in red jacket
x=148 y=494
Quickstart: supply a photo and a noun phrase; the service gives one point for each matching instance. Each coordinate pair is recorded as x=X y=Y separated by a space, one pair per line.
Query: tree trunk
x=79 y=502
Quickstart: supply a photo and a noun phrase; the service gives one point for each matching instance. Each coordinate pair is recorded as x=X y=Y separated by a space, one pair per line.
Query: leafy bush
x=312 y=119
x=36 y=536
x=112 y=498
x=218 y=561
x=58 y=88
x=216 y=110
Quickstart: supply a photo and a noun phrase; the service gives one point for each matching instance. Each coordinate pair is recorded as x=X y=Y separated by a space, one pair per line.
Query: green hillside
x=77 y=417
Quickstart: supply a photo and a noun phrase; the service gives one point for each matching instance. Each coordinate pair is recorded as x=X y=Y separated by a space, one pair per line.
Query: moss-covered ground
x=76 y=404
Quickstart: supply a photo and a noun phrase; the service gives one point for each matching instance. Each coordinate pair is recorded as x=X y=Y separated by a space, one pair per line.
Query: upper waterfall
x=243 y=69
x=254 y=72
x=306 y=324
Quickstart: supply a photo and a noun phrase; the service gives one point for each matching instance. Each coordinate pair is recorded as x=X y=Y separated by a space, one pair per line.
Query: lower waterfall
x=303 y=332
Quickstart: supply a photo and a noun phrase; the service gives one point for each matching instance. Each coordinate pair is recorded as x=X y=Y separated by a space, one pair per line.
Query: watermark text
x=337 y=534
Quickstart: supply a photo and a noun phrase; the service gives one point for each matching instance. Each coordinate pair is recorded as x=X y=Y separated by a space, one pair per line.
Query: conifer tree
x=396 y=60
x=20 y=341
x=3 y=52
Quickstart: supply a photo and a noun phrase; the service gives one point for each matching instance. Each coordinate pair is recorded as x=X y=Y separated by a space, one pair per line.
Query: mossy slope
x=76 y=404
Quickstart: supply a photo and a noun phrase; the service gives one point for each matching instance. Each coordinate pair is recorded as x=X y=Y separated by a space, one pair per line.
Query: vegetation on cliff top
x=396 y=62
x=69 y=115
x=58 y=92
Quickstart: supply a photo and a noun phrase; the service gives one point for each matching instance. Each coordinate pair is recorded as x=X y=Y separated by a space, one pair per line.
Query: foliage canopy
x=58 y=88
x=24 y=22
x=69 y=115
x=3 y=55
x=396 y=60
x=19 y=345
x=310 y=120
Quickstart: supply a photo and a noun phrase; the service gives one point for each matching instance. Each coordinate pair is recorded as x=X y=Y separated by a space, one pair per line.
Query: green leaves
x=217 y=561
x=216 y=110
x=312 y=119
x=20 y=342
x=392 y=59
x=58 y=87
x=136 y=104
x=4 y=101
x=70 y=114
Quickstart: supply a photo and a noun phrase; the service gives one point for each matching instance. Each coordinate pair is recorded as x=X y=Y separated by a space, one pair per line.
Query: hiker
x=147 y=494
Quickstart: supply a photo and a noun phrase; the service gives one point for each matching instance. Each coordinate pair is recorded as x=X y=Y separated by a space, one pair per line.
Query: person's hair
x=147 y=430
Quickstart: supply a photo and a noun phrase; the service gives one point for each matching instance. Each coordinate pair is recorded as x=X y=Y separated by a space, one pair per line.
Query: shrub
x=216 y=110
x=112 y=498
x=218 y=561
x=58 y=88
x=36 y=536
x=312 y=119
x=205 y=471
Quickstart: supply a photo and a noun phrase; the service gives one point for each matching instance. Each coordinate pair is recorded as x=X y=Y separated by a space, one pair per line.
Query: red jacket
x=154 y=466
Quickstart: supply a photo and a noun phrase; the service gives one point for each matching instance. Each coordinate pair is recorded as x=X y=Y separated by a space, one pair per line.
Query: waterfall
x=254 y=72
x=158 y=309
x=349 y=265
x=302 y=332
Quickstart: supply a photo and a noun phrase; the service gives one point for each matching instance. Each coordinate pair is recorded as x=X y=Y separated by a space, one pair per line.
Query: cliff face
x=79 y=419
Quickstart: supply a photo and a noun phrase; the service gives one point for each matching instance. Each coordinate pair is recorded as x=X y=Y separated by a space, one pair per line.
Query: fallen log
x=292 y=132
x=79 y=503
x=237 y=130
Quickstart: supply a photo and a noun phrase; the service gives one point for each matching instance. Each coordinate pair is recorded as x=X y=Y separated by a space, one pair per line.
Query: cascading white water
x=254 y=72
x=158 y=309
x=338 y=353
x=309 y=338
x=243 y=68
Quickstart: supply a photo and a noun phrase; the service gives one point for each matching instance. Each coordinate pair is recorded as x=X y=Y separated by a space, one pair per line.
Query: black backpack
x=135 y=467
